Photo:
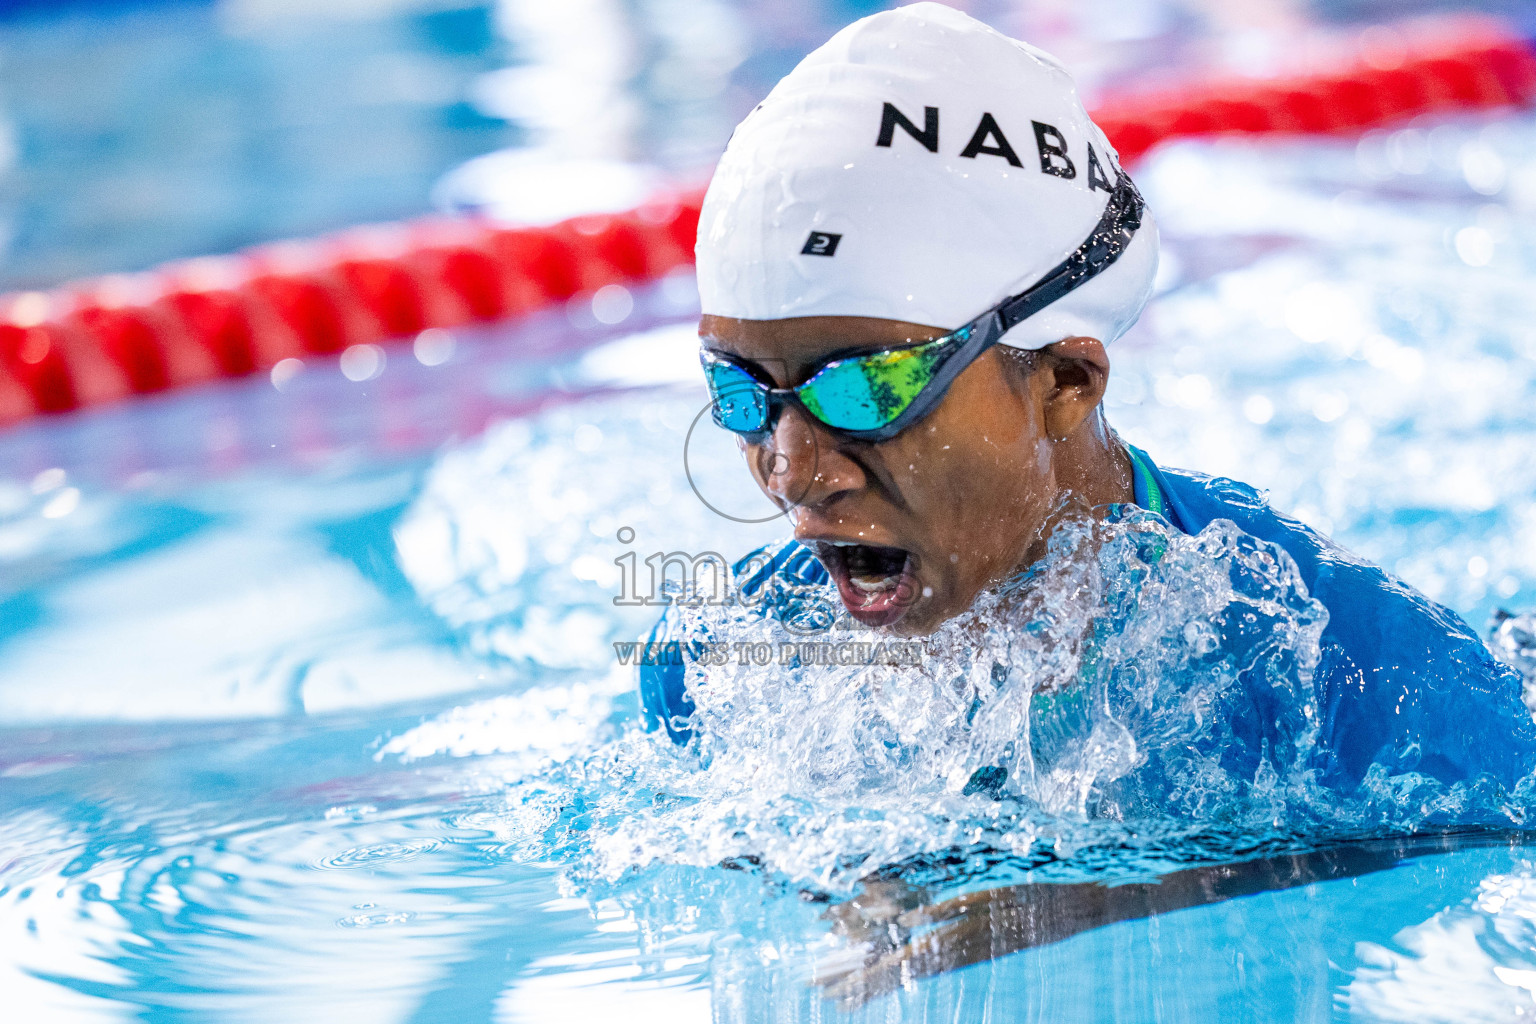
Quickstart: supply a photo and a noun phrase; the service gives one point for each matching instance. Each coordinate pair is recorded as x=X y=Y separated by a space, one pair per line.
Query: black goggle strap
x=1107 y=242
x=1110 y=237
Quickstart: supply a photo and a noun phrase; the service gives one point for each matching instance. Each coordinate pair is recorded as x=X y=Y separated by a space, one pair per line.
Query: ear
x=1076 y=374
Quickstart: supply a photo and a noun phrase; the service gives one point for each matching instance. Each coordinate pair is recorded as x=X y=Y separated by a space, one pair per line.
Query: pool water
x=312 y=710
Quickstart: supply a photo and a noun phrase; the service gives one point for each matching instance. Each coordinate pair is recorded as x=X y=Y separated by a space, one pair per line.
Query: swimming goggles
x=874 y=396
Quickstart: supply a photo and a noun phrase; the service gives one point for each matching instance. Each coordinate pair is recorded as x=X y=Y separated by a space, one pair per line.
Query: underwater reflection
x=896 y=935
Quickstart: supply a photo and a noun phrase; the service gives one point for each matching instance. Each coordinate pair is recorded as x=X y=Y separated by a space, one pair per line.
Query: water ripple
x=379 y=853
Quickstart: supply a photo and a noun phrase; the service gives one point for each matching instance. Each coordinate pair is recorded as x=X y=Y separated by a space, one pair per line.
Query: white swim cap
x=919 y=166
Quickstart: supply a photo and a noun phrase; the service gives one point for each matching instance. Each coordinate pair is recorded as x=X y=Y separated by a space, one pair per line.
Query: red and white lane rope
x=102 y=341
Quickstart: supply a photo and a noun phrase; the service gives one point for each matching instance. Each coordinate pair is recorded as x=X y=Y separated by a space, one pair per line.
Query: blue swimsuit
x=1403 y=682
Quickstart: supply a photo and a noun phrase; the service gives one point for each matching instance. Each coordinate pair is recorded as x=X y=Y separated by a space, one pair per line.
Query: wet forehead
x=791 y=348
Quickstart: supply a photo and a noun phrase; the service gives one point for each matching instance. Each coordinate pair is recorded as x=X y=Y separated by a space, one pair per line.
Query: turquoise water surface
x=311 y=710
x=309 y=705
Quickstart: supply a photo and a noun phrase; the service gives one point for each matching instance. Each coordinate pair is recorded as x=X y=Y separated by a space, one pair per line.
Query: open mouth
x=876 y=583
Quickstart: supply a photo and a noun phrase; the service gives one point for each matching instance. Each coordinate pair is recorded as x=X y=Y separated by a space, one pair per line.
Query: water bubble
x=1258 y=409
x=29 y=309
x=362 y=363
x=1475 y=246
x=1193 y=391
x=612 y=304
x=378 y=920
x=1408 y=151
x=433 y=347
x=62 y=503
x=284 y=371
x=1483 y=168
x=1328 y=406
x=48 y=480
x=350 y=812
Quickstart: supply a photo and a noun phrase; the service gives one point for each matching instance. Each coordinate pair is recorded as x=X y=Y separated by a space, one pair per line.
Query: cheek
x=987 y=493
x=995 y=502
x=992 y=456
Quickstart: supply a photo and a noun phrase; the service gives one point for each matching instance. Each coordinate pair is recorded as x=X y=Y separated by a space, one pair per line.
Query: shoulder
x=1404 y=680
x=1365 y=602
x=1199 y=500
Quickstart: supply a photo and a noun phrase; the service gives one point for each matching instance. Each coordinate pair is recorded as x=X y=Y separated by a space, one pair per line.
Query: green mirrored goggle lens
x=869 y=392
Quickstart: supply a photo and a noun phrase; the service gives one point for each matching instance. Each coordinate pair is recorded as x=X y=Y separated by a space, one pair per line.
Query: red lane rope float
x=97 y=342
x=1441 y=66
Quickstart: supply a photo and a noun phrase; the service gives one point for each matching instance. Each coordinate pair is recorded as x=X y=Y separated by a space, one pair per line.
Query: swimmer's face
x=912 y=529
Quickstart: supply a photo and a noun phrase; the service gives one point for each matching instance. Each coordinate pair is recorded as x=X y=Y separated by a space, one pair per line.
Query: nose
x=802 y=465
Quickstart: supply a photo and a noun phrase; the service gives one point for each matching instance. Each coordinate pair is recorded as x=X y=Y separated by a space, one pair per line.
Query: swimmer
x=913 y=259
